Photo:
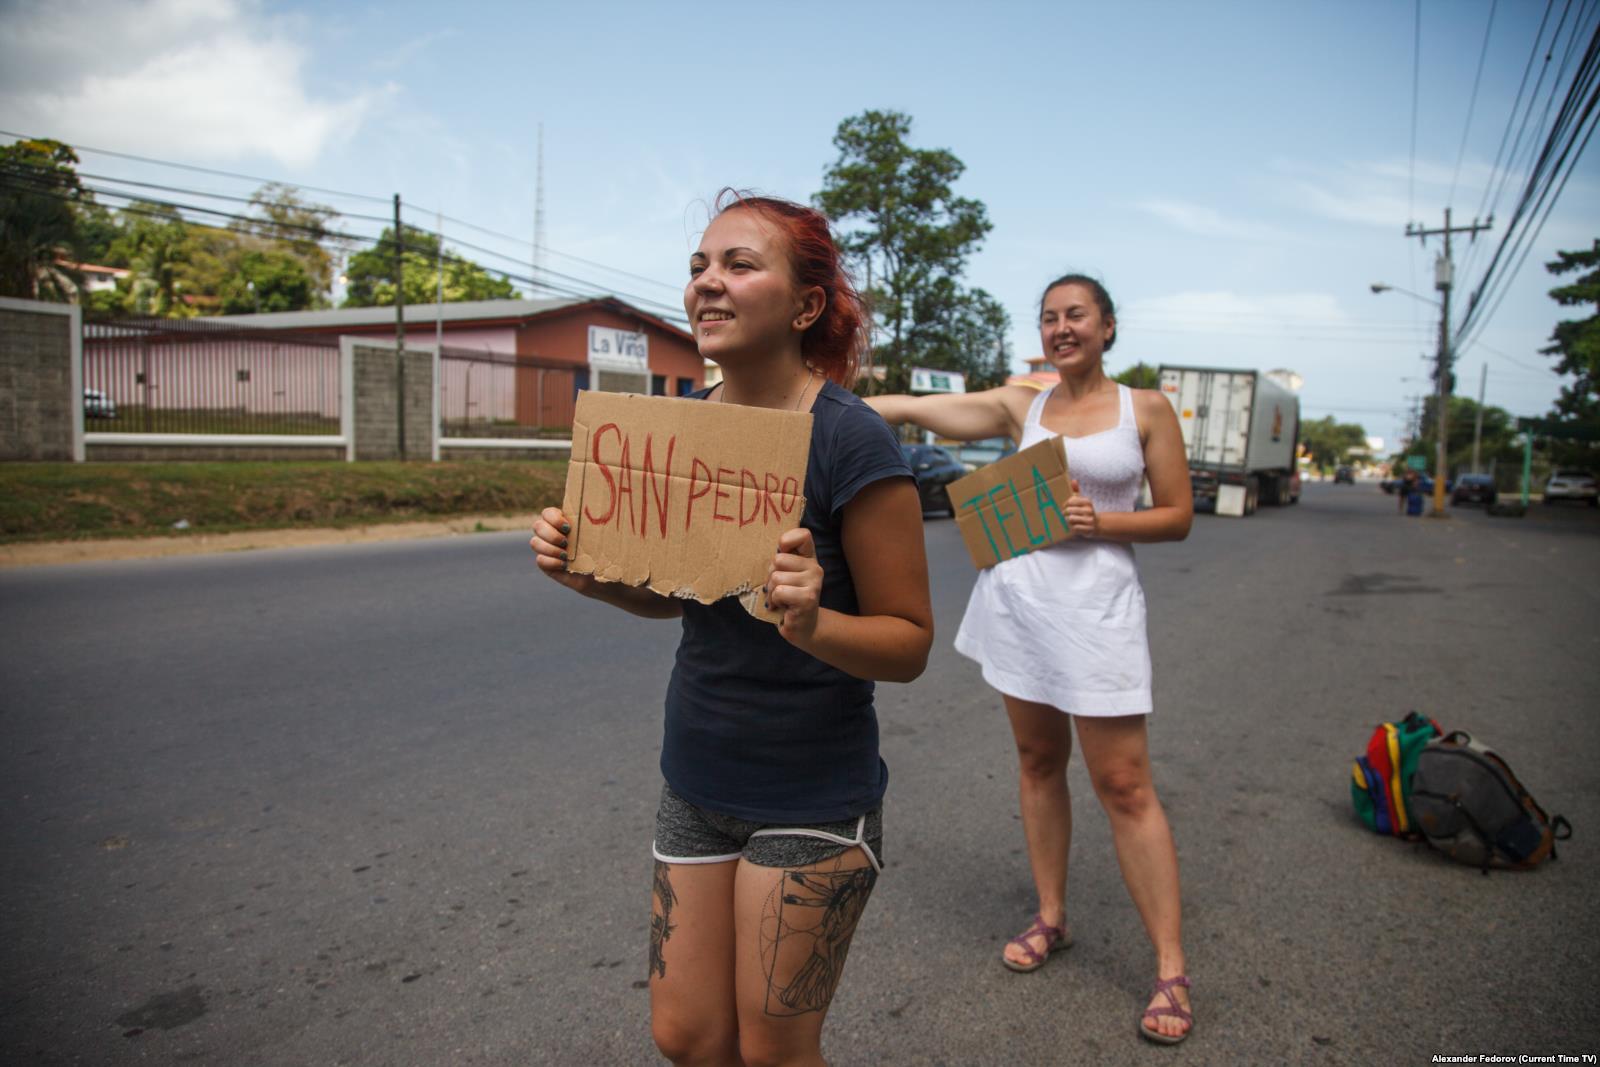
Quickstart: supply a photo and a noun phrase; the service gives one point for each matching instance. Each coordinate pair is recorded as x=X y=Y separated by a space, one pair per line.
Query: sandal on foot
x=1056 y=938
x=1164 y=986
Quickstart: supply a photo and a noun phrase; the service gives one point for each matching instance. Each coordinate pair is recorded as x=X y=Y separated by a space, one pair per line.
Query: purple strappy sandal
x=1056 y=938
x=1164 y=986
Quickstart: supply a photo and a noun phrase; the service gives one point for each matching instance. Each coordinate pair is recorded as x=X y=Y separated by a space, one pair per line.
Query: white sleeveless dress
x=1065 y=625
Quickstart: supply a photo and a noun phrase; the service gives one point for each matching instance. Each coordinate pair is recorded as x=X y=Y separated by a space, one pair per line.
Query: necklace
x=811 y=376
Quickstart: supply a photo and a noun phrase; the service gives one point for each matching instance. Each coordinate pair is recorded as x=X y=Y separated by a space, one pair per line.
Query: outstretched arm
x=962 y=417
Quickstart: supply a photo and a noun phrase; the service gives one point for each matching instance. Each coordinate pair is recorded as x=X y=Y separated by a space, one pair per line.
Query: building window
x=685 y=386
x=658 y=385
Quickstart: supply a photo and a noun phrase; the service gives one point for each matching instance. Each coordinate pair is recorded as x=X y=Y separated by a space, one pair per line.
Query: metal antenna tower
x=538 y=211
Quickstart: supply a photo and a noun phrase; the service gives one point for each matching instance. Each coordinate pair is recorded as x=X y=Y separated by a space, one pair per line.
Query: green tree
x=98 y=230
x=1574 y=424
x=1139 y=376
x=156 y=246
x=1498 y=442
x=38 y=189
x=371 y=274
x=952 y=329
x=1330 y=442
x=912 y=235
x=288 y=223
x=270 y=280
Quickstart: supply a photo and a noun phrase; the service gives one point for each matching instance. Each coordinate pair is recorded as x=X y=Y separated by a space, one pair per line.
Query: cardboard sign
x=686 y=497
x=1013 y=506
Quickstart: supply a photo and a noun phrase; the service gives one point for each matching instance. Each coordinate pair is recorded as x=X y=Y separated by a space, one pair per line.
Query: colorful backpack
x=1381 y=780
x=1468 y=804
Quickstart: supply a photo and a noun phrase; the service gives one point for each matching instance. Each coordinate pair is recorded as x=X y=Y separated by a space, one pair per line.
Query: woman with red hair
x=769 y=834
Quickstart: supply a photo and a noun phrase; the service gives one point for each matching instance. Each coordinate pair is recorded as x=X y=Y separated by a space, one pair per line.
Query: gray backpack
x=1467 y=803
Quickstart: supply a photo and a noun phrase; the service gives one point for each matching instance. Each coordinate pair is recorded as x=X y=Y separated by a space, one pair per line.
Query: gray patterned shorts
x=687 y=833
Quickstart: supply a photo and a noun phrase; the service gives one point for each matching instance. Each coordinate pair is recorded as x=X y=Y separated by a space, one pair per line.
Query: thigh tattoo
x=806 y=929
x=661 y=924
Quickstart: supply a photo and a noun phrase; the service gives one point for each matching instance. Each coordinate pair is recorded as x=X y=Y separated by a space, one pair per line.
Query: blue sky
x=1237 y=173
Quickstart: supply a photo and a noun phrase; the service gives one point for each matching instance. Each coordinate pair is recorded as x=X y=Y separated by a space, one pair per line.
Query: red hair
x=838 y=343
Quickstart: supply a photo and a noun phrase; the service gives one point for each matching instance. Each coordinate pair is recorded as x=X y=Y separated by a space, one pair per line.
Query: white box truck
x=1239 y=429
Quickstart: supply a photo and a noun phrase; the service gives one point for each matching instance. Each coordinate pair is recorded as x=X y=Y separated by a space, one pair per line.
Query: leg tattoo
x=810 y=918
x=661 y=920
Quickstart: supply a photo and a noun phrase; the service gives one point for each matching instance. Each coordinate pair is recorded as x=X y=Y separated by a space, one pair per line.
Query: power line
x=356 y=196
x=322 y=235
x=1553 y=168
x=7 y=180
x=1472 y=102
x=1416 y=92
x=197 y=169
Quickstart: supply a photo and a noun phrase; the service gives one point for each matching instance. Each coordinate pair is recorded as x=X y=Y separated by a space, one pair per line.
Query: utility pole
x=400 y=327
x=1477 y=429
x=1443 y=278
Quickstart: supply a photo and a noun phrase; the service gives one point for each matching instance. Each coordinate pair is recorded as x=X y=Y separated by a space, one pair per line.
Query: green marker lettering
x=973 y=504
x=1000 y=518
x=1042 y=494
x=1032 y=540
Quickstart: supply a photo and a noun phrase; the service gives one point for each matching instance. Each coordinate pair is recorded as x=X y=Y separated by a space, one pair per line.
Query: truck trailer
x=1239 y=430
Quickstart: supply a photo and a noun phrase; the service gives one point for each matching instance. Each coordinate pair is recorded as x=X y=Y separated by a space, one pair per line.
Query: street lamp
x=1384 y=287
x=1443 y=272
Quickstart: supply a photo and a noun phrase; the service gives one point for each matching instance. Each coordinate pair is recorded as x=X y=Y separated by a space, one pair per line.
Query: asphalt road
x=392 y=804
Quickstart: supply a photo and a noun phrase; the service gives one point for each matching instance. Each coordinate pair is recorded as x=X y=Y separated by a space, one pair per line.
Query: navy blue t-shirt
x=756 y=728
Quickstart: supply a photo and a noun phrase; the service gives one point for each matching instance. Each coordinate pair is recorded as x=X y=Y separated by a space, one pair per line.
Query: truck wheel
x=1268 y=493
x=1252 y=495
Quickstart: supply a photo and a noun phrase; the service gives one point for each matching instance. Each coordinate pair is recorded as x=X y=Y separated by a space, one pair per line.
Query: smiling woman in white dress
x=1060 y=632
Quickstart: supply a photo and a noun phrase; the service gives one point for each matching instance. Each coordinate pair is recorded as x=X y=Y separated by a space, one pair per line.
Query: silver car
x=98 y=405
x=1571 y=485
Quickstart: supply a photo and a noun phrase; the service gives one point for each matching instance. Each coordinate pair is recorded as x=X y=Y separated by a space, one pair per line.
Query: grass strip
x=74 y=501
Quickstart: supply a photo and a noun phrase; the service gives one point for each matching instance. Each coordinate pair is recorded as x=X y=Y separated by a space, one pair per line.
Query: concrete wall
x=374 y=397
x=41 y=395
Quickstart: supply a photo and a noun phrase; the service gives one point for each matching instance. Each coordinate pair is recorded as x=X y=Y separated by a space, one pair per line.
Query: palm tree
x=38 y=228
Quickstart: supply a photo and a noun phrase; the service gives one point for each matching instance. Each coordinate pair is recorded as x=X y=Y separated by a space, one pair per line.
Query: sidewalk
x=47 y=553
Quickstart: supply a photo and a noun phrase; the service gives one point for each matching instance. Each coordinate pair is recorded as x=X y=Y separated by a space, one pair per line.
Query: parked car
x=934 y=469
x=98 y=405
x=975 y=454
x=1571 y=485
x=1347 y=475
x=1474 y=489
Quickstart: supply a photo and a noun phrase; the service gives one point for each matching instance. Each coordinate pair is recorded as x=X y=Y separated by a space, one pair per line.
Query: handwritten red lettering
x=662 y=488
x=721 y=494
x=625 y=486
x=696 y=468
x=766 y=497
x=789 y=494
x=753 y=497
x=605 y=473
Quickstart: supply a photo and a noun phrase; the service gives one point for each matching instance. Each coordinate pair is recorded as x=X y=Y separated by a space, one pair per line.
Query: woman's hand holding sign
x=794 y=586
x=1081 y=517
x=549 y=543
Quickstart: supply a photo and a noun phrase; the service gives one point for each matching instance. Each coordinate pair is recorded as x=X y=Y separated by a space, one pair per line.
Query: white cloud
x=1207 y=222
x=1388 y=193
x=1229 y=312
x=197 y=79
